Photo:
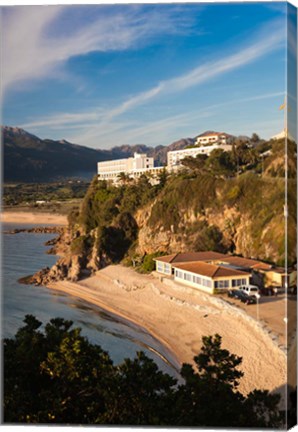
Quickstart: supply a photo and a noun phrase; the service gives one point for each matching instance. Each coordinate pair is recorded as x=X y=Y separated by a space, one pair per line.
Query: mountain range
x=29 y=159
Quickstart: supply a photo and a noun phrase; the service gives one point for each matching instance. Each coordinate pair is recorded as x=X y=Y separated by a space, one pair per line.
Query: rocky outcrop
x=69 y=268
x=61 y=243
x=37 y=230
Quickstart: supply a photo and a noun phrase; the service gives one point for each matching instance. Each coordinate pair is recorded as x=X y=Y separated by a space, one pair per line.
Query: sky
x=107 y=75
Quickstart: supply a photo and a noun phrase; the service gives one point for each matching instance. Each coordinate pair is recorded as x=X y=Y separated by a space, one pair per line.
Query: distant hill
x=27 y=158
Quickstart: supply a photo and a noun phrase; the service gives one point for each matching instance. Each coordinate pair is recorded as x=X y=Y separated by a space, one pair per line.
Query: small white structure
x=208 y=138
x=283 y=135
x=133 y=167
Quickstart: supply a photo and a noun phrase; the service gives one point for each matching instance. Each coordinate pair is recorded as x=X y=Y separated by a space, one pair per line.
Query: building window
x=160 y=267
x=222 y=284
x=167 y=269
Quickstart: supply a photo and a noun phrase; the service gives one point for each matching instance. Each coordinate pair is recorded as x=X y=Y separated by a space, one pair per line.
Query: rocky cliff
x=212 y=207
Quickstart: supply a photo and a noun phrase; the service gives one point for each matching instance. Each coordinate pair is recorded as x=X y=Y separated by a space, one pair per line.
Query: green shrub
x=78 y=245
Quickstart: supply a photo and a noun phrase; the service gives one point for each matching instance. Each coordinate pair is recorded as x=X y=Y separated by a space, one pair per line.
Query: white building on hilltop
x=209 y=138
x=175 y=157
x=133 y=167
x=205 y=144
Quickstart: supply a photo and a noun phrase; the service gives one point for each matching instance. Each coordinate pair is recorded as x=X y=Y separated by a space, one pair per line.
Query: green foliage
x=59 y=377
x=22 y=193
x=274 y=165
x=148 y=265
x=79 y=245
x=110 y=210
x=206 y=237
x=73 y=217
x=219 y=163
x=179 y=194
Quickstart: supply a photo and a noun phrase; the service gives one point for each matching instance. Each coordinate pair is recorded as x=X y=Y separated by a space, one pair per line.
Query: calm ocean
x=24 y=254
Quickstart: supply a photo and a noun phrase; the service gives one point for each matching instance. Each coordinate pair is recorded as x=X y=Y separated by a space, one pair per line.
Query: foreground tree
x=58 y=376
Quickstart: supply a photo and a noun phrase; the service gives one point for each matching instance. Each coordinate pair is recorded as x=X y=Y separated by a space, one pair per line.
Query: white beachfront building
x=209 y=277
x=133 y=167
x=209 y=271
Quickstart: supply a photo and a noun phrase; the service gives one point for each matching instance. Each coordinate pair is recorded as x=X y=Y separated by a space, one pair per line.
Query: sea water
x=25 y=253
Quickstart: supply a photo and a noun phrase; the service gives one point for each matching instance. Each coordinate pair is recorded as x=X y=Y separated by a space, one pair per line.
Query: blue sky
x=104 y=75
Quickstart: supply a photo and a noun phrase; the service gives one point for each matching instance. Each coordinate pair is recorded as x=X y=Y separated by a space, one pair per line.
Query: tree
x=58 y=376
x=124 y=178
x=255 y=138
x=197 y=164
x=220 y=163
x=210 y=396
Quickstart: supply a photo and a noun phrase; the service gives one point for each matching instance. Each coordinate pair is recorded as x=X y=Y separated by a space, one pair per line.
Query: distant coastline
x=32 y=217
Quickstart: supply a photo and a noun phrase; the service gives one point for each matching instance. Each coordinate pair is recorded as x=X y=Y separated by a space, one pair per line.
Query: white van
x=251 y=290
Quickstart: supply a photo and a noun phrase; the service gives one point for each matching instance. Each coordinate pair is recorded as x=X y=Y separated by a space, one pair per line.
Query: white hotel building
x=140 y=164
x=133 y=167
x=205 y=144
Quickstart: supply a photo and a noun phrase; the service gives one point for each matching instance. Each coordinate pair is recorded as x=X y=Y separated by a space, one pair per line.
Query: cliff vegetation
x=228 y=202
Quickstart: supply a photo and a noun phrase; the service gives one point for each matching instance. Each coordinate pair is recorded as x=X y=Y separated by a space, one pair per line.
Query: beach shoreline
x=36 y=218
x=178 y=319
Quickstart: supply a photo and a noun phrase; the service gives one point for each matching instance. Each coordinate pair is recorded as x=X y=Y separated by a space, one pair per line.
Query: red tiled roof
x=246 y=262
x=209 y=270
x=191 y=256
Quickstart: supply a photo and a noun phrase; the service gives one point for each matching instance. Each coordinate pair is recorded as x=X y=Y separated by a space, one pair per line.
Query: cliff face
x=237 y=232
x=198 y=209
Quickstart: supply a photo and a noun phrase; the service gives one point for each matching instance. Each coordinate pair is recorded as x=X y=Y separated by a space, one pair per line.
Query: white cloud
x=126 y=30
x=270 y=38
x=30 y=51
x=65 y=120
x=116 y=133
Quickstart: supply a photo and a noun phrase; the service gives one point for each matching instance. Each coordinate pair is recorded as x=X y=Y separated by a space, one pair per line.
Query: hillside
x=208 y=205
x=28 y=159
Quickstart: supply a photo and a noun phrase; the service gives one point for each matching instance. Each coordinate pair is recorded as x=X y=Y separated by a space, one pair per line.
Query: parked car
x=233 y=293
x=268 y=291
x=251 y=290
x=242 y=296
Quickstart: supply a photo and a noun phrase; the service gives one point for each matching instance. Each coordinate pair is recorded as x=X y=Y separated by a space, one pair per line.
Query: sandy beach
x=33 y=218
x=179 y=317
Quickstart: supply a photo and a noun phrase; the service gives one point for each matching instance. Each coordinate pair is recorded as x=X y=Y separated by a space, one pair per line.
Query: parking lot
x=272 y=310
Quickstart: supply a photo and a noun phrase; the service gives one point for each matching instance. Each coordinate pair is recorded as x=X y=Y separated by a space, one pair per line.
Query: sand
x=33 y=218
x=178 y=317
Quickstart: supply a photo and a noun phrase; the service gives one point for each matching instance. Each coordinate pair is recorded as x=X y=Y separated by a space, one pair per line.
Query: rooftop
x=207 y=133
x=209 y=270
x=246 y=262
x=191 y=256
